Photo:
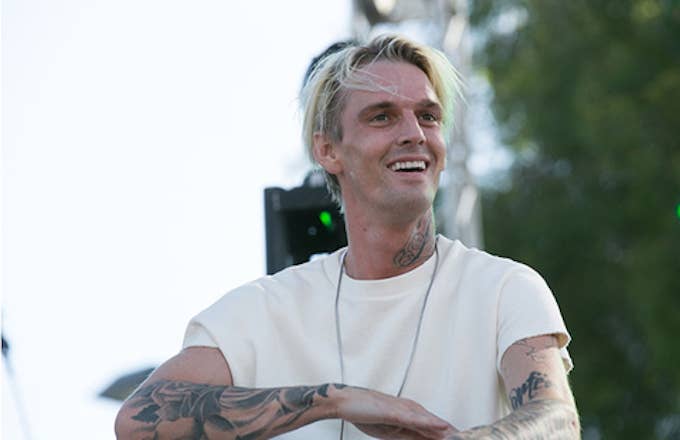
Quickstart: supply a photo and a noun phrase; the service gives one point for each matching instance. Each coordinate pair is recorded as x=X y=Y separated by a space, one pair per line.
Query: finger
x=432 y=434
x=425 y=421
x=406 y=434
x=425 y=431
x=392 y=432
x=431 y=427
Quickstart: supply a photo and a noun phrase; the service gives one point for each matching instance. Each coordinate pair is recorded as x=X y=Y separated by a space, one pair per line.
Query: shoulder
x=290 y=285
x=475 y=264
x=320 y=270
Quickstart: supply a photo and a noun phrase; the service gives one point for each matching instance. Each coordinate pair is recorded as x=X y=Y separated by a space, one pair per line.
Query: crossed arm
x=191 y=397
x=180 y=401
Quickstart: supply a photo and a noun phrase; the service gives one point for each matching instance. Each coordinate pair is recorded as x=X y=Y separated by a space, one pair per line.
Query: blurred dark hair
x=330 y=50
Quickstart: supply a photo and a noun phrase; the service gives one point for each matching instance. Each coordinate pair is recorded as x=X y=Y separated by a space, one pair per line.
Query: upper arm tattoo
x=536 y=414
x=527 y=391
x=535 y=351
x=535 y=355
x=245 y=413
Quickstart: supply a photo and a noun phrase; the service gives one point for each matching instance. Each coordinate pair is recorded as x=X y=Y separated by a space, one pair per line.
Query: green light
x=677 y=210
x=325 y=218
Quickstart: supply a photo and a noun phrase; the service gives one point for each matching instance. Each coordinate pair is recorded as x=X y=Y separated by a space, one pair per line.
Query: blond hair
x=325 y=91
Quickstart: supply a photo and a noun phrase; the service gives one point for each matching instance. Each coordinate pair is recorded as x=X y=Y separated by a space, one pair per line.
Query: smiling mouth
x=409 y=166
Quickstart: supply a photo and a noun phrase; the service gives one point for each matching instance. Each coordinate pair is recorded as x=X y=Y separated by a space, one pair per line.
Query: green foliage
x=588 y=94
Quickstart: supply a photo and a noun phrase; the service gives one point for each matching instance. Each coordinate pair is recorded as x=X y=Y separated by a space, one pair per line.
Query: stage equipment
x=301 y=223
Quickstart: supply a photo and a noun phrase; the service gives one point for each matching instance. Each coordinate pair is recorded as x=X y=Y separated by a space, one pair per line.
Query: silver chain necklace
x=415 y=338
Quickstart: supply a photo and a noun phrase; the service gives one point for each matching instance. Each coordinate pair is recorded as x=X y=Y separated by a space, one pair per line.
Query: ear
x=325 y=153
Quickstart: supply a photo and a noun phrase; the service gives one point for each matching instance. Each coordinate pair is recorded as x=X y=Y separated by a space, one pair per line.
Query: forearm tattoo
x=537 y=420
x=413 y=249
x=527 y=391
x=198 y=411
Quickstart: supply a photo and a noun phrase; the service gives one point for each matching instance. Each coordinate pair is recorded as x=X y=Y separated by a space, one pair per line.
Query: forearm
x=539 y=419
x=180 y=410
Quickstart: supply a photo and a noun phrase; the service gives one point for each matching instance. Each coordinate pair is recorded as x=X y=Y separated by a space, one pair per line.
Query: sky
x=137 y=139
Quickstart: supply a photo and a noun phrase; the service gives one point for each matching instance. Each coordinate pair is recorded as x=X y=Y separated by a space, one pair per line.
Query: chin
x=410 y=204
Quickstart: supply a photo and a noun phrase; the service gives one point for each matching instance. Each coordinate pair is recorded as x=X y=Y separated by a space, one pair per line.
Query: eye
x=380 y=117
x=429 y=117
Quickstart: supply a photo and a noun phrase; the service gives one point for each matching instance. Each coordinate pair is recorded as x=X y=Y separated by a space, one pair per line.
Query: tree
x=587 y=94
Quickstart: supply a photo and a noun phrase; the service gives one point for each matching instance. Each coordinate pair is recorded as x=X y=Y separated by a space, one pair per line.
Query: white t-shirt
x=280 y=330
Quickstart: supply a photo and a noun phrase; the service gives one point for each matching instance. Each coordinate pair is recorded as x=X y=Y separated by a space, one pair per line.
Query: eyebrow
x=384 y=105
x=427 y=103
x=376 y=106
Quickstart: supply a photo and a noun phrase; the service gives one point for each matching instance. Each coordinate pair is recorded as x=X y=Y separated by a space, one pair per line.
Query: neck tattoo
x=415 y=337
x=414 y=247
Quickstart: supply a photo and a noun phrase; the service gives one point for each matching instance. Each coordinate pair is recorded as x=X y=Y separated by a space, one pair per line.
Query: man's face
x=392 y=149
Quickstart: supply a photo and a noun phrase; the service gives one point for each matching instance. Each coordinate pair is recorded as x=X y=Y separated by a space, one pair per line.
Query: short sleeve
x=226 y=325
x=527 y=308
x=198 y=336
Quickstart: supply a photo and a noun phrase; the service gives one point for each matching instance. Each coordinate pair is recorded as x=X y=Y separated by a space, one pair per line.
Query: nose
x=411 y=131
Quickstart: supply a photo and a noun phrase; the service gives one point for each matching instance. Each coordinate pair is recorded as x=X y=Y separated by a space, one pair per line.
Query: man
x=403 y=334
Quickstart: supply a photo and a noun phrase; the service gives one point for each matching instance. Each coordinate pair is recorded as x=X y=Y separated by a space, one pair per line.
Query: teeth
x=408 y=165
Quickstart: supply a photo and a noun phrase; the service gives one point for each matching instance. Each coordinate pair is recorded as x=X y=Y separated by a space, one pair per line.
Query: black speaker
x=299 y=223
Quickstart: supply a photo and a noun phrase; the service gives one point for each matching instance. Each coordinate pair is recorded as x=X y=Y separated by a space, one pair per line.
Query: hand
x=382 y=431
x=383 y=416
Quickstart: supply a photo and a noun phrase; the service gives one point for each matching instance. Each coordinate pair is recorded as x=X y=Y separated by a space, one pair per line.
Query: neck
x=378 y=251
